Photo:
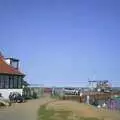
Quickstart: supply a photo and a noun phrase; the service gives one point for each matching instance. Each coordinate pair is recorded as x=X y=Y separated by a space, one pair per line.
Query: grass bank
x=71 y=110
x=51 y=114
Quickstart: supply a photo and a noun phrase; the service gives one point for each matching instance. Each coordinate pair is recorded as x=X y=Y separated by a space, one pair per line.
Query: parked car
x=16 y=97
x=19 y=99
x=69 y=91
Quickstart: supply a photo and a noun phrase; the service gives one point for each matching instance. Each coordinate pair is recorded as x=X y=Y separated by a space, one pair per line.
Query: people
x=11 y=96
x=0 y=94
x=16 y=97
x=104 y=105
x=81 y=94
x=88 y=99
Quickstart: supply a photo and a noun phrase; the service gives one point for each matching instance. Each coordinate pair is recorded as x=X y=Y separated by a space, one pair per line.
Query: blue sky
x=63 y=42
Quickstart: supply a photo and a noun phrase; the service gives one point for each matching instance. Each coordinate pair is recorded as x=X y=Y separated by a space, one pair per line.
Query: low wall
x=95 y=95
x=5 y=92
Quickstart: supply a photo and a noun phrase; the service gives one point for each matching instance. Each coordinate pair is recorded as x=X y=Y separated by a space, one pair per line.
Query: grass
x=71 y=110
x=51 y=114
x=45 y=114
x=56 y=97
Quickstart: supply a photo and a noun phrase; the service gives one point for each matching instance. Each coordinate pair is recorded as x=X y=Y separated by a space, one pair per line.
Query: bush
x=28 y=97
x=34 y=95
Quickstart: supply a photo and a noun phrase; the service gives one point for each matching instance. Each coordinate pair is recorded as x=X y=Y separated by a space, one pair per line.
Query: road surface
x=23 y=111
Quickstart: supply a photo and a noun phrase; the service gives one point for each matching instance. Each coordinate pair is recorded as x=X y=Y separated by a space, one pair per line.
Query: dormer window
x=13 y=62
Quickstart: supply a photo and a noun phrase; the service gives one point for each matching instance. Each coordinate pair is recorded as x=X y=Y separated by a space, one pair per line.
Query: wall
x=47 y=90
x=38 y=90
x=5 y=92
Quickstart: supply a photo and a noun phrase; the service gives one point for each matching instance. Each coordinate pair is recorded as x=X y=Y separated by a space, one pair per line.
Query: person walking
x=88 y=99
x=11 y=97
x=81 y=94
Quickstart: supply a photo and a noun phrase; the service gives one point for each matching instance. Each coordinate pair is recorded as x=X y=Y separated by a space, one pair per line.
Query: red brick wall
x=47 y=90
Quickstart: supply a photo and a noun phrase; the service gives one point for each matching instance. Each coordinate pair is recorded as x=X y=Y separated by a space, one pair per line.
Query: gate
x=32 y=89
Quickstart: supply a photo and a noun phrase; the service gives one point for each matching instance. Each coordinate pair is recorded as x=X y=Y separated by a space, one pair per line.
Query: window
x=2 y=81
x=19 y=81
x=11 y=82
x=15 y=82
x=6 y=82
x=14 y=64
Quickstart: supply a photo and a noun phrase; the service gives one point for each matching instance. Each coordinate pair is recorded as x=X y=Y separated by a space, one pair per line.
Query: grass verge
x=51 y=114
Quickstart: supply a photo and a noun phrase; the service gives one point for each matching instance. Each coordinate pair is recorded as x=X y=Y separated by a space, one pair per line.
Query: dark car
x=19 y=98
x=16 y=97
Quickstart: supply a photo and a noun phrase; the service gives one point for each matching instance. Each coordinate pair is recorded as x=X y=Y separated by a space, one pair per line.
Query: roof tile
x=8 y=69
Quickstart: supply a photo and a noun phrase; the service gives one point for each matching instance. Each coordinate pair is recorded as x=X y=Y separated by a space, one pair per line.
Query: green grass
x=50 y=114
x=45 y=114
x=55 y=97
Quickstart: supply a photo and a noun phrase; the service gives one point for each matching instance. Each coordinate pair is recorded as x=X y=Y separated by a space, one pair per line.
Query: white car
x=69 y=90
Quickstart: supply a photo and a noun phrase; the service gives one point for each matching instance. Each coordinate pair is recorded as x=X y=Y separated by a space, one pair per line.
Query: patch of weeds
x=44 y=114
x=55 y=97
x=50 y=114
x=63 y=115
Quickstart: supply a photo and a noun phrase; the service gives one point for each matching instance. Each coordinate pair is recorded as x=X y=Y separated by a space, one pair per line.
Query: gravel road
x=23 y=111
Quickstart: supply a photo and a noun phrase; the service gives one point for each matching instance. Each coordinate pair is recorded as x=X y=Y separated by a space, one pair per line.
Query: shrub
x=35 y=95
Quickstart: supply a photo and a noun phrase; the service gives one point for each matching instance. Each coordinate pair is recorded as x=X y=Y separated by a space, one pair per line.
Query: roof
x=8 y=69
x=12 y=59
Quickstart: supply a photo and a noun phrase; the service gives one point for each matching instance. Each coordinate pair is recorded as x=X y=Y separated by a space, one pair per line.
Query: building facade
x=11 y=79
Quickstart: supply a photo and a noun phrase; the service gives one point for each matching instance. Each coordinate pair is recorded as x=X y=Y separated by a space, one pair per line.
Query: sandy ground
x=23 y=111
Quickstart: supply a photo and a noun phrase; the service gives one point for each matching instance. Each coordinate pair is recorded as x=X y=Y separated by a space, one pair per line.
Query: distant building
x=47 y=90
x=11 y=79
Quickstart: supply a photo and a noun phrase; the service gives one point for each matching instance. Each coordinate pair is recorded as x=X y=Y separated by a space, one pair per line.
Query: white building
x=11 y=79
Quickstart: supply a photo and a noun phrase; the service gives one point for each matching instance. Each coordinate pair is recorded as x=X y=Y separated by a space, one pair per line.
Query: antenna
x=1 y=55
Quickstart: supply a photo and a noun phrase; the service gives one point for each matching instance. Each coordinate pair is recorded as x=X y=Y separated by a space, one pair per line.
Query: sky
x=62 y=42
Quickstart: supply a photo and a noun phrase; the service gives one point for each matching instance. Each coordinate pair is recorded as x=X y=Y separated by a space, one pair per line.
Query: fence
x=96 y=98
x=31 y=89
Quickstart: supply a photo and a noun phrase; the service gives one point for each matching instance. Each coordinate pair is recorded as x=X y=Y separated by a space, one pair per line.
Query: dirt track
x=28 y=110
x=23 y=111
